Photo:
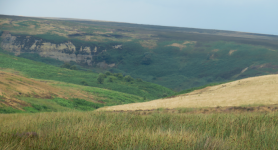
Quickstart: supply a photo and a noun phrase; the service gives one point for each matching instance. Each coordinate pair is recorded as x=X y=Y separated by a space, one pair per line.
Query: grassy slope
x=20 y=94
x=39 y=70
x=98 y=130
x=205 y=62
x=254 y=90
x=195 y=65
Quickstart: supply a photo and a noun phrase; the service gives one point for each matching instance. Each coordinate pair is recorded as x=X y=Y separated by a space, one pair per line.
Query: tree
x=100 y=78
x=73 y=67
x=110 y=79
x=84 y=83
x=139 y=80
x=66 y=65
x=128 y=78
x=119 y=76
x=108 y=73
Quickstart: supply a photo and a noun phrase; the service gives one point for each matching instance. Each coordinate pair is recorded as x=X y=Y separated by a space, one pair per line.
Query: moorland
x=86 y=84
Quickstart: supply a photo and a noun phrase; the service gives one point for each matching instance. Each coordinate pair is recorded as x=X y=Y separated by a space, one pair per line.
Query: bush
x=119 y=76
x=108 y=73
x=128 y=78
x=66 y=65
x=100 y=78
x=110 y=79
x=84 y=83
x=139 y=80
x=73 y=67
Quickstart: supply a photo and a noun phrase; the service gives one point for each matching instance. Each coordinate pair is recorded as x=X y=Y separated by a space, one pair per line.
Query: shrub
x=139 y=80
x=100 y=78
x=108 y=73
x=110 y=79
x=119 y=76
x=128 y=78
x=66 y=65
x=84 y=83
x=73 y=67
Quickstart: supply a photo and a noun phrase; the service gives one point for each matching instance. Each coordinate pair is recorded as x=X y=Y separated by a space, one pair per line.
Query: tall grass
x=103 y=130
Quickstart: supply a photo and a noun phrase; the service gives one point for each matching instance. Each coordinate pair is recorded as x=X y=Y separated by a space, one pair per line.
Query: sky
x=256 y=16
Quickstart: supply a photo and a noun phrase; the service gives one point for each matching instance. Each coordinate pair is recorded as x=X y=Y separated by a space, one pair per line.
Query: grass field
x=103 y=130
x=249 y=91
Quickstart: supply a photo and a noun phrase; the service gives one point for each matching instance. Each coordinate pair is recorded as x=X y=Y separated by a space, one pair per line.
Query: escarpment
x=65 y=51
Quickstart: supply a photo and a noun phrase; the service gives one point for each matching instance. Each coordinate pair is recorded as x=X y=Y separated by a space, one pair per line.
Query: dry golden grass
x=231 y=52
x=255 y=90
x=5 y=21
x=183 y=45
x=13 y=85
x=148 y=44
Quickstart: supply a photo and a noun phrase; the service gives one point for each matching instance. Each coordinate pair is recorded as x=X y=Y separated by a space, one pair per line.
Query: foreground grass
x=106 y=130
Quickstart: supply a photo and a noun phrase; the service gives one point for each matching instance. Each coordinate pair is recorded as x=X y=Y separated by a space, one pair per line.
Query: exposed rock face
x=64 y=51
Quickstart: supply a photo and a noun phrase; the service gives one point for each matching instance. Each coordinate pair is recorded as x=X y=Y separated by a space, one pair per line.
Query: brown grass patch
x=183 y=45
x=189 y=42
x=148 y=44
x=13 y=86
x=255 y=90
x=206 y=110
x=231 y=52
x=178 y=45
x=4 y=22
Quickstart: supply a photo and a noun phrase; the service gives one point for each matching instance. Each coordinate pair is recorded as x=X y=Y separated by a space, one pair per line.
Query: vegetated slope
x=21 y=94
x=177 y=58
x=253 y=90
x=39 y=70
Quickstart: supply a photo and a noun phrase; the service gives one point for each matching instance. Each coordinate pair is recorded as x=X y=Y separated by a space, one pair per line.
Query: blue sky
x=257 y=16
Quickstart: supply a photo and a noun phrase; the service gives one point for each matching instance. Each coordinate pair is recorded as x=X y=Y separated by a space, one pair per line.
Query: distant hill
x=174 y=57
x=260 y=90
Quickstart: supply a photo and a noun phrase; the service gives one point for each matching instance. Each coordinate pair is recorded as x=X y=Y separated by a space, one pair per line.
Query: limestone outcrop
x=66 y=51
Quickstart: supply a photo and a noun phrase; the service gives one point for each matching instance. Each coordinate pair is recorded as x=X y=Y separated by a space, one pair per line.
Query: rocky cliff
x=66 y=51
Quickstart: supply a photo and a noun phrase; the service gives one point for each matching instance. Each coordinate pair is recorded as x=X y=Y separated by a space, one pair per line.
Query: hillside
x=177 y=58
x=21 y=94
x=38 y=70
x=250 y=91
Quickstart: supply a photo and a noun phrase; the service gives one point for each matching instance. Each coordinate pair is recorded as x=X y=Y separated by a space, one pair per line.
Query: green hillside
x=40 y=70
x=176 y=58
x=35 y=102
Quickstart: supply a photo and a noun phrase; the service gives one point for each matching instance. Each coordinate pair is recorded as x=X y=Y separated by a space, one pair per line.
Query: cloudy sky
x=257 y=16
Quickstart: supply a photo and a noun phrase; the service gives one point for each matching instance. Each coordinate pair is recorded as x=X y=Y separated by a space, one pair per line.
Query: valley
x=88 y=84
x=177 y=58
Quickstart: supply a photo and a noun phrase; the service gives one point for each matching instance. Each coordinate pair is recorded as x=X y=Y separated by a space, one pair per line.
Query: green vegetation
x=194 y=60
x=100 y=130
x=175 y=58
x=39 y=70
x=195 y=65
x=101 y=97
x=100 y=78
x=107 y=97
